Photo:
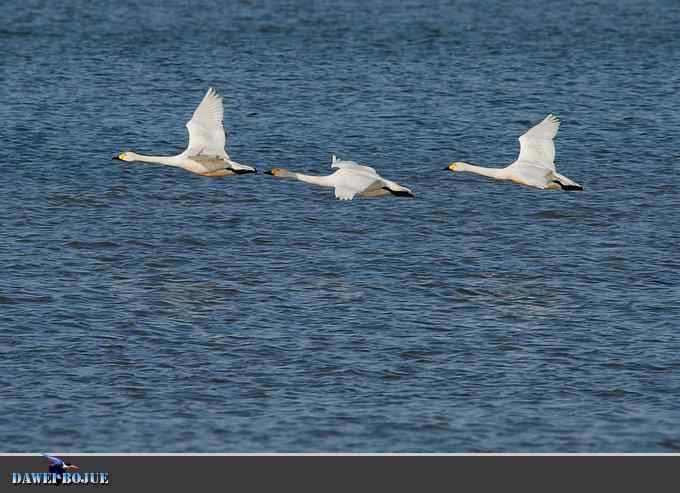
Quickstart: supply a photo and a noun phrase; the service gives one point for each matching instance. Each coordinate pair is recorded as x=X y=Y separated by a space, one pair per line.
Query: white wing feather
x=206 y=129
x=536 y=145
x=339 y=163
x=352 y=181
x=344 y=193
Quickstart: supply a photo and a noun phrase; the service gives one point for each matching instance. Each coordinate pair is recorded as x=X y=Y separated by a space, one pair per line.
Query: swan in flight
x=535 y=166
x=349 y=180
x=205 y=154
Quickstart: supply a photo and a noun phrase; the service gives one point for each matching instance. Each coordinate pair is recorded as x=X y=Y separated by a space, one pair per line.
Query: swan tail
x=399 y=191
x=239 y=169
x=566 y=183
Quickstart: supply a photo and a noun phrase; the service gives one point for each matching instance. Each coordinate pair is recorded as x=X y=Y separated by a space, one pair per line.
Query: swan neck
x=481 y=170
x=322 y=181
x=167 y=160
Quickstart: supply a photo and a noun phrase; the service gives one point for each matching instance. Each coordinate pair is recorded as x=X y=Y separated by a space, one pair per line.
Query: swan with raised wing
x=205 y=154
x=535 y=166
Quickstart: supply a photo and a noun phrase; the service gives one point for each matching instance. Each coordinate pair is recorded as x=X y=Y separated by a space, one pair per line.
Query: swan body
x=349 y=180
x=535 y=165
x=205 y=155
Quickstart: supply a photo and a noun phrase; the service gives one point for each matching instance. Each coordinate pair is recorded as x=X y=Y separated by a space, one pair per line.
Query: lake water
x=144 y=308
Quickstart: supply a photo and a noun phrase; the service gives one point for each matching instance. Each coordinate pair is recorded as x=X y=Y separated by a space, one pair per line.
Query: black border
x=375 y=473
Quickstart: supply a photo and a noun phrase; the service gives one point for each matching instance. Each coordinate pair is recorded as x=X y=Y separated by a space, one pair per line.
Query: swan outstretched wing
x=345 y=193
x=352 y=181
x=536 y=145
x=340 y=163
x=206 y=130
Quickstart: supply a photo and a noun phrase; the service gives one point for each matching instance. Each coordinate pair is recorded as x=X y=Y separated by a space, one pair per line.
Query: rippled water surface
x=148 y=309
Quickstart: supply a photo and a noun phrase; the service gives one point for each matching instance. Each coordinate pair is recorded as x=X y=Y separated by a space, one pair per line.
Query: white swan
x=349 y=180
x=535 y=166
x=205 y=154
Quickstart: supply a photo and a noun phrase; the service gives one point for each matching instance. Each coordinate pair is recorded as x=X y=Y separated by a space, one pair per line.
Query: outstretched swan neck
x=167 y=160
x=322 y=181
x=498 y=173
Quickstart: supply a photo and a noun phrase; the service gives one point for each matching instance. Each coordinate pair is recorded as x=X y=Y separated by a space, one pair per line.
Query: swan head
x=455 y=166
x=126 y=156
x=280 y=172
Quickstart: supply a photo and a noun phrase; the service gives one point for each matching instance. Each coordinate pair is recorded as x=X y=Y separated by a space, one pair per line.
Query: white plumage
x=535 y=165
x=205 y=155
x=206 y=128
x=351 y=179
x=536 y=145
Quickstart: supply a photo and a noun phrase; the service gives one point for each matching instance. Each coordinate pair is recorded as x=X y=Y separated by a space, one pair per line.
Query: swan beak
x=268 y=173
x=116 y=158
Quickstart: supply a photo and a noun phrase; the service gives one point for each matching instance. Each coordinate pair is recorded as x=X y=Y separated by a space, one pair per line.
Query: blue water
x=143 y=308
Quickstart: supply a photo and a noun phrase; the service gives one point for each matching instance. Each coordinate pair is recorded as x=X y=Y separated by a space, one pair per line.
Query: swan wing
x=206 y=129
x=536 y=145
x=345 y=193
x=342 y=164
x=531 y=175
x=350 y=182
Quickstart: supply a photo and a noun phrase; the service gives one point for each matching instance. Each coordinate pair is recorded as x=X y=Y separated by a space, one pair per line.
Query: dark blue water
x=143 y=308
